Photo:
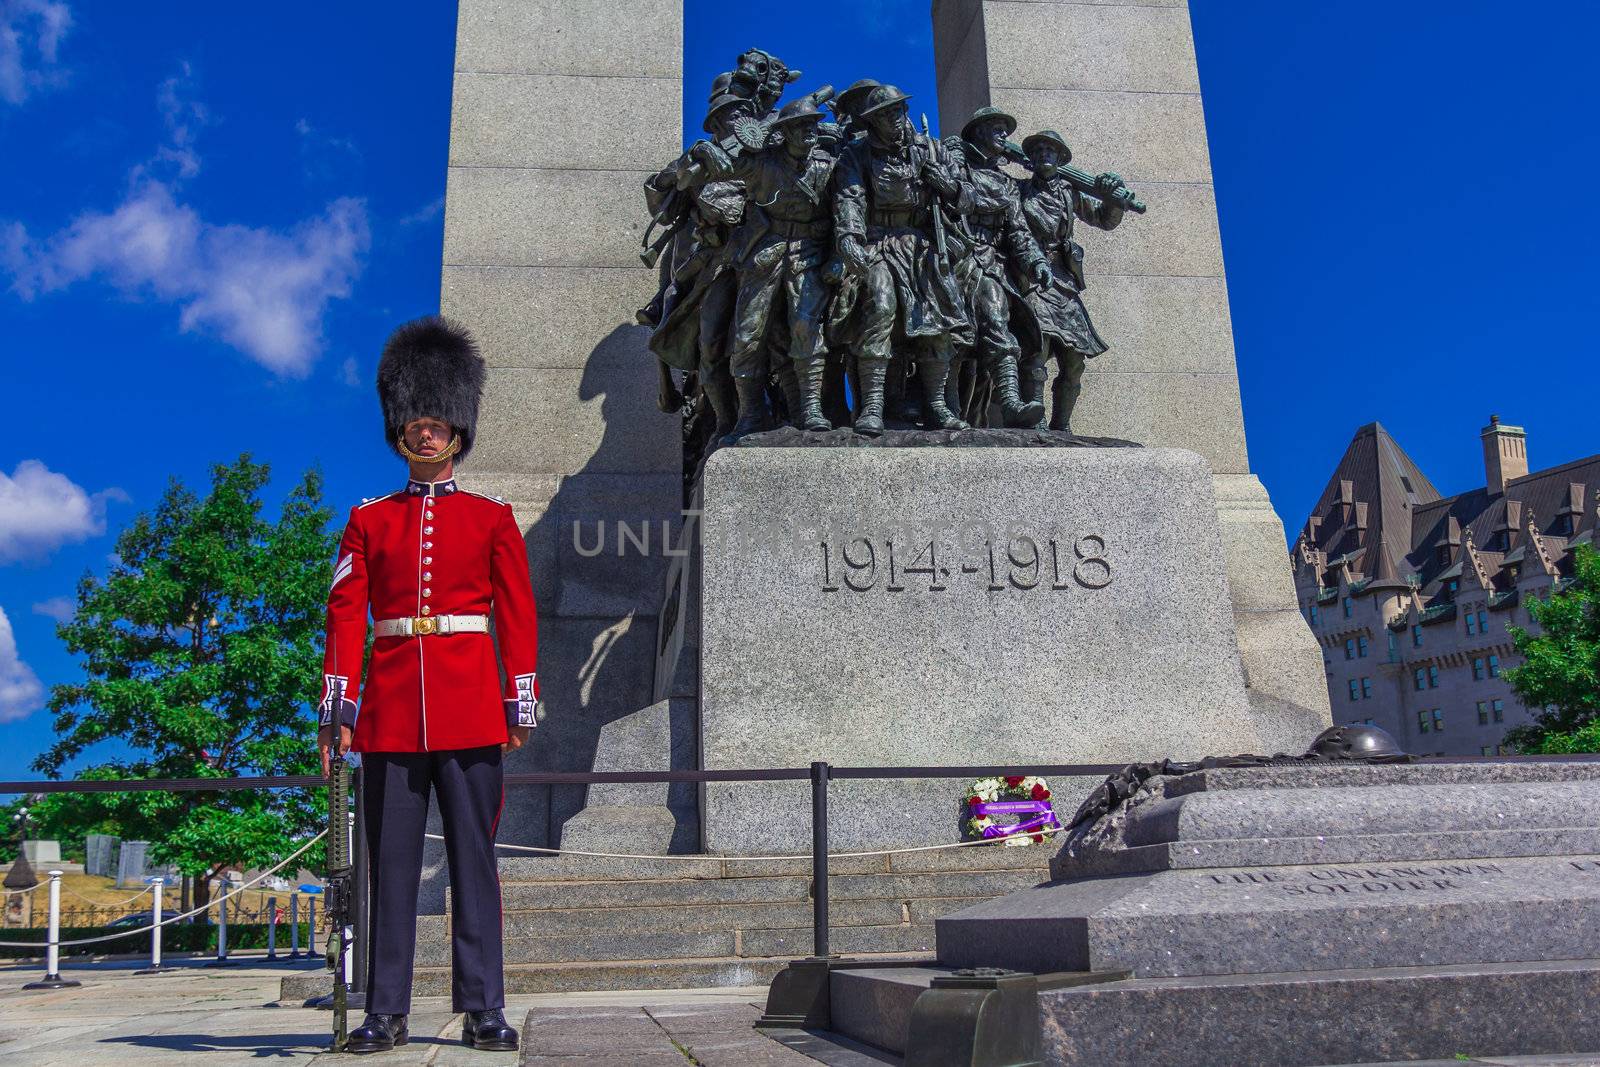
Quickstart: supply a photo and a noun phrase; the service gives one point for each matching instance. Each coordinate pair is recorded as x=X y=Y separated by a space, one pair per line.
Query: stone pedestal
x=947 y=606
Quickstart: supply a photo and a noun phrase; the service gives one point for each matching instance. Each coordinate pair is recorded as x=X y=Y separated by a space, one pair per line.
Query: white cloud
x=45 y=510
x=426 y=213
x=30 y=37
x=59 y=608
x=260 y=290
x=20 y=692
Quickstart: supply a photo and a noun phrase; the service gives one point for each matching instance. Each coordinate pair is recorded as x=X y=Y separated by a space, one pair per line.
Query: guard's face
x=1045 y=157
x=892 y=124
x=428 y=437
x=990 y=136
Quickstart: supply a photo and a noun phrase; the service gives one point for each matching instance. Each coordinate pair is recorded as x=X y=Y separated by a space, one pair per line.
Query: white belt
x=432 y=624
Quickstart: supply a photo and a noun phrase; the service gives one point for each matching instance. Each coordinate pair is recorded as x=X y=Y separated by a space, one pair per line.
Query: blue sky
x=210 y=217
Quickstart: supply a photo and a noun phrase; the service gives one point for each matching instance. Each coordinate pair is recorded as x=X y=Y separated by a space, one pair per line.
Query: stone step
x=786 y=943
x=764 y=915
x=1327 y=1017
x=515 y=869
x=526 y=896
x=1269 y=919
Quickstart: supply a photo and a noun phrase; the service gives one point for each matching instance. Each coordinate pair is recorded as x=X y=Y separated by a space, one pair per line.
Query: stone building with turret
x=1410 y=593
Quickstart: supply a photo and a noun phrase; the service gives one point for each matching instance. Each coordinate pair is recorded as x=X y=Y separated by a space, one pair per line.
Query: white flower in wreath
x=1030 y=781
x=981 y=823
x=1017 y=840
x=987 y=789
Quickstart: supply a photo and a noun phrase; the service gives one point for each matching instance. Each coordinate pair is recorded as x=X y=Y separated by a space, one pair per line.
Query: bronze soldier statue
x=698 y=309
x=779 y=259
x=997 y=234
x=1050 y=203
x=886 y=187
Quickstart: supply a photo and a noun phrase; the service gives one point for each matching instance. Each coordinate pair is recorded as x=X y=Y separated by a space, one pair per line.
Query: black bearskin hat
x=431 y=369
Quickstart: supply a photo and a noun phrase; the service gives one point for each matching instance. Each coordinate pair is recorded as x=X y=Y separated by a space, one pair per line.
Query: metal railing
x=819 y=774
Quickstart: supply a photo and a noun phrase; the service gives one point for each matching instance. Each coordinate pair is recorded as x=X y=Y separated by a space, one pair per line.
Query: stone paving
x=203 y=1017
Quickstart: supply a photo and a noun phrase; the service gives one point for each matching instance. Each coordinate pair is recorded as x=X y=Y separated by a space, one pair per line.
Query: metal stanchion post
x=222 y=959
x=800 y=996
x=294 y=927
x=311 y=925
x=52 y=958
x=155 y=931
x=272 y=928
x=819 y=860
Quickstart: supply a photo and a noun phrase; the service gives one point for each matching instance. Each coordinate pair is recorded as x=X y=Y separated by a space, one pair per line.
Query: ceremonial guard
x=431 y=562
x=998 y=235
x=1050 y=204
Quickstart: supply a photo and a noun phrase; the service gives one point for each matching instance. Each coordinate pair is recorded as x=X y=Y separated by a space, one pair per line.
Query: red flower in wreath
x=1013 y=781
x=1038 y=839
x=1040 y=792
x=973 y=802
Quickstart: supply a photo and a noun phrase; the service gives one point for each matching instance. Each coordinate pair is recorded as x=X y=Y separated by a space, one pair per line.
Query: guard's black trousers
x=471 y=793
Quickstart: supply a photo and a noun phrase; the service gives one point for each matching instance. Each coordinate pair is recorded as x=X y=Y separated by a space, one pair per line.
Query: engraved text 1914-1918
x=863 y=564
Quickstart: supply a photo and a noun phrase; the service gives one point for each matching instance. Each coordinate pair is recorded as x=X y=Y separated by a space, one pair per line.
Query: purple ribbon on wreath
x=1044 y=816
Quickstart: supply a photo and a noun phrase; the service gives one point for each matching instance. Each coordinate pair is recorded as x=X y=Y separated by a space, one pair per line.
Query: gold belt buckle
x=424 y=625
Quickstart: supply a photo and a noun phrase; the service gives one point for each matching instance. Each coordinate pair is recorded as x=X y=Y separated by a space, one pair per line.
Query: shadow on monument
x=599 y=556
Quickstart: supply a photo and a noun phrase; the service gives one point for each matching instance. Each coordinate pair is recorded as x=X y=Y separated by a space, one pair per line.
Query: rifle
x=338 y=896
x=938 y=209
x=1083 y=181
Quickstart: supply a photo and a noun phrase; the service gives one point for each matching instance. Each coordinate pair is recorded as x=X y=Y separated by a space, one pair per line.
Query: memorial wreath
x=1023 y=798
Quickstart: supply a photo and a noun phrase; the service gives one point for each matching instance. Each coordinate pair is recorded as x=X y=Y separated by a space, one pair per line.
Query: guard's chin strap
x=449 y=450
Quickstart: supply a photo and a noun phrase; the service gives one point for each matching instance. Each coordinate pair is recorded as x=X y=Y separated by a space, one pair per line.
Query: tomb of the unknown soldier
x=832 y=614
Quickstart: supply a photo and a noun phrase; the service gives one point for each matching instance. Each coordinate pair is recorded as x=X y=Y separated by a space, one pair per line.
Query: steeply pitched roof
x=1377 y=472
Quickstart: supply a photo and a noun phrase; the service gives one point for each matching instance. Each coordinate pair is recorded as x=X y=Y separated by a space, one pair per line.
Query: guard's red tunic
x=431 y=550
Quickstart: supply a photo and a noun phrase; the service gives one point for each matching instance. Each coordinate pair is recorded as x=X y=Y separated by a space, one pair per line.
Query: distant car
x=138 y=918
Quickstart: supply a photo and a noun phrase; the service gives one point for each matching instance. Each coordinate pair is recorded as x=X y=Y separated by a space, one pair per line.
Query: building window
x=1483 y=622
x=1424 y=722
x=1355 y=689
x=1472 y=624
x=1433 y=677
x=1420 y=678
x=1416 y=636
x=1483 y=714
x=1349 y=608
x=1361 y=648
x=1499 y=707
x=1313 y=610
x=1350 y=649
x=1477 y=668
x=1494 y=666
x=1366 y=689
x=1394 y=647
x=1438 y=720
x=1483 y=750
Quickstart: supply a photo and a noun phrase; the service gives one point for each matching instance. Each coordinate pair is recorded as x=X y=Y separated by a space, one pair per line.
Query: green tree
x=202 y=656
x=1560 y=671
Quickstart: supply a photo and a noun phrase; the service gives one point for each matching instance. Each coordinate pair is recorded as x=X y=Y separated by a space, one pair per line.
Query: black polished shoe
x=489 y=1031
x=379 y=1033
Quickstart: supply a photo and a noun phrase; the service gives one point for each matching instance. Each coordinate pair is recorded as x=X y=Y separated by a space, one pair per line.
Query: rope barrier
x=263 y=876
x=764 y=859
x=106 y=904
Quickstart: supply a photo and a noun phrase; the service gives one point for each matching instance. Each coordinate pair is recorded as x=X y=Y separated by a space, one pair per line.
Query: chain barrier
x=103 y=903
